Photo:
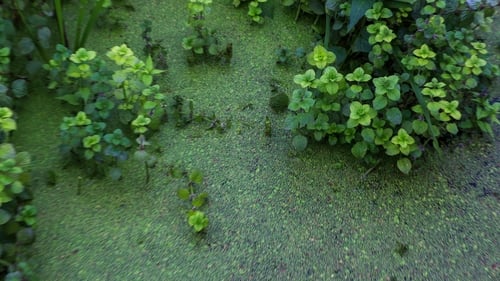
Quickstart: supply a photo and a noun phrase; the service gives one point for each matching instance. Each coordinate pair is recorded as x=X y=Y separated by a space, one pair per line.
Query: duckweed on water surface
x=275 y=213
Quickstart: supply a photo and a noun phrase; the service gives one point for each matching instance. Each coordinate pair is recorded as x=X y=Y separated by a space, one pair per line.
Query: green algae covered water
x=275 y=214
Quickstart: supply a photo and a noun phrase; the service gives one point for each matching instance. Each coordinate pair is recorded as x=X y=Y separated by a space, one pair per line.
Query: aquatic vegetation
x=279 y=99
x=190 y=193
x=23 y=46
x=88 y=13
x=197 y=220
x=203 y=42
x=17 y=216
x=285 y=56
x=128 y=91
x=153 y=48
x=391 y=87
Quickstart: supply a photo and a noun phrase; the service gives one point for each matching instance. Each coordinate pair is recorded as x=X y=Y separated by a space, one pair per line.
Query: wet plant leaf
x=299 y=142
x=199 y=200
x=183 y=193
x=196 y=176
x=4 y=216
x=19 y=88
x=404 y=165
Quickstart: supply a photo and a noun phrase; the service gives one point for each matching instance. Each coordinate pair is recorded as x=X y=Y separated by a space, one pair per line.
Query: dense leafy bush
x=401 y=74
x=17 y=216
x=100 y=90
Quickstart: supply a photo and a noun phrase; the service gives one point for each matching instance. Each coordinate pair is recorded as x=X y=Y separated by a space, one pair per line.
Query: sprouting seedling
x=196 y=218
x=142 y=155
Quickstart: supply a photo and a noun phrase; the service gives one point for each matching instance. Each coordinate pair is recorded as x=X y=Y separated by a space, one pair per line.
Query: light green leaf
x=404 y=165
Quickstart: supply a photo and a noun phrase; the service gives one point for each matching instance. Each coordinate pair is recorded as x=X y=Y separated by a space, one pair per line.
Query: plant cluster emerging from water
x=255 y=11
x=203 y=41
x=17 y=215
x=409 y=75
x=125 y=90
x=190 y=193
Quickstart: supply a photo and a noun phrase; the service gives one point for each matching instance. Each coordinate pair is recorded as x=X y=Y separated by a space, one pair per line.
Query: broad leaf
x=358 y=10
x=299 y=142
x=404 y=165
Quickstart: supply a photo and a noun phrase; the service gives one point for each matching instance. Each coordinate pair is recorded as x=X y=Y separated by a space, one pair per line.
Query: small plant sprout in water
x=142 y=155
x=196 y=218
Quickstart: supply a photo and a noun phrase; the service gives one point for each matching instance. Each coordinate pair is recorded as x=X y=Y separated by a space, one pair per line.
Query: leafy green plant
x=17 y=216
x=128 y=92
x=87 y=140
x=398 y=76
x=203 y=41
x=25 y=38
x=196 y=218
x=285 y=55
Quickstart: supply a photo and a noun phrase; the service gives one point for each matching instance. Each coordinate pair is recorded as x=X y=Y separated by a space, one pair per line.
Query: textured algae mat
x=274 y=214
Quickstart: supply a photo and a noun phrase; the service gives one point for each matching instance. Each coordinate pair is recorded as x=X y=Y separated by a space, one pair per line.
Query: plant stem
x=90 y=24
x=147 y=171
x=60 y=22
x=327 y=30
x=81 y=14
x=79 y=185
x=298 y=12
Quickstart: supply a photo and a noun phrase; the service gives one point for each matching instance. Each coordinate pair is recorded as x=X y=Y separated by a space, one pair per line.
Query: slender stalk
x=60 y=22
x=91 y=22
x=328 y=28
x=79 y=20
x=79 y=185
x=147 y=171
x=427 y=116
x=298 y=12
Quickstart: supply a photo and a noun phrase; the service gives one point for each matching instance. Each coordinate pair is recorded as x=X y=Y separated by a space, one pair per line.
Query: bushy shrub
x=17 y=216
x=401 y=74
x=123 y=88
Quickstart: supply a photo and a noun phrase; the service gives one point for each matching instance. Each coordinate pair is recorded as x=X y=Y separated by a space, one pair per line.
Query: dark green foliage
x=153 y=48
x=190 y=193
x=279 y=99
x=84 y=80
x=17 y=216
x=285 y=56
x=401 y=249
x=392 y=77
x=25 y=36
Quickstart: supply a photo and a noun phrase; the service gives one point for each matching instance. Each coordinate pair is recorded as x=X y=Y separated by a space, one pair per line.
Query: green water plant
x=122 y=90
x=203 y=42
x=25 y=41
x=88 y=141
x=190 y=193
x=17 y=215
x=407 y=75
x=285 y=56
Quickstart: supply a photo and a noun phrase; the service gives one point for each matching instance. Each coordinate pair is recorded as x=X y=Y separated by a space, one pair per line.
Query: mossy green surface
x=275 y=214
